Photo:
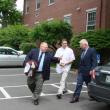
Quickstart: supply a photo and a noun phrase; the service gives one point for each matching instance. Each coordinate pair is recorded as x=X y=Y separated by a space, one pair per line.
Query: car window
x=11 y=52
x=3 y=51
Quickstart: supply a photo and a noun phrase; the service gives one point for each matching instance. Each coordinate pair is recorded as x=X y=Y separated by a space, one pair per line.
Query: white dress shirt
x=67 y=55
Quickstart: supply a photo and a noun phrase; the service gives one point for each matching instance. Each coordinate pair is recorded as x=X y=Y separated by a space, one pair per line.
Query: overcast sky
x=20 y=4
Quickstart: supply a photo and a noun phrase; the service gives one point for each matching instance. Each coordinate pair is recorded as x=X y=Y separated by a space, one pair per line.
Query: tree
x=8 y=13
x=52 y=32
x=14 y=36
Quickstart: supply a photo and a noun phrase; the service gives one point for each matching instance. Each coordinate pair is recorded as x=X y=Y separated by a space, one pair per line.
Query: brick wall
x=75 y=7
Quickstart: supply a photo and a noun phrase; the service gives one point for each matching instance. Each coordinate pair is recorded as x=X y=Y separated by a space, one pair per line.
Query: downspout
x=100 y=22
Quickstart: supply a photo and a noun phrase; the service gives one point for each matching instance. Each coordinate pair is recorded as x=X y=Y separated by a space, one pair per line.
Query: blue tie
x=40 y=57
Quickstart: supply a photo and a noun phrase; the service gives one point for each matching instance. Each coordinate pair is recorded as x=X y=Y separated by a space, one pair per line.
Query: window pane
x=27 y=6
x=67 y=19
x=37 y=4
x=3 y=51
x=51 y=1
x=11 y=52
x=91 y=21
x=90 y=28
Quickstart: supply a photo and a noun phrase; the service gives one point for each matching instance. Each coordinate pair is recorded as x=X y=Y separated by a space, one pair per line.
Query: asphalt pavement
x=15 y=95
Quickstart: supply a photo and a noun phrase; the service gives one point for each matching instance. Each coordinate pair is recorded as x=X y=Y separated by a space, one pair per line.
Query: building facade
x=83 y=15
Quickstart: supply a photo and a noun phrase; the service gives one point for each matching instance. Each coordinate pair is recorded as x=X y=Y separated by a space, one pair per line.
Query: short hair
x=64 y=40
x=43 y=43
x=83 y=41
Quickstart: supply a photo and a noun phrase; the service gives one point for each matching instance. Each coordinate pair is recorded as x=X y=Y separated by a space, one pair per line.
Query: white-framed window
x=27 y=7
x=50 y=19
x=91 y=19
x=67 y=18
x=51 y=2
x=37 y=4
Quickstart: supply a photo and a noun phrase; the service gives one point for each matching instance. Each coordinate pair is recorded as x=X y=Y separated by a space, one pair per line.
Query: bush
x=26 y=47
x=14 y=36
x=99 y=39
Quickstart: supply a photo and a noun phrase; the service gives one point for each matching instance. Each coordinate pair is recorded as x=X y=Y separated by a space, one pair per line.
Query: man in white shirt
x=67 y=57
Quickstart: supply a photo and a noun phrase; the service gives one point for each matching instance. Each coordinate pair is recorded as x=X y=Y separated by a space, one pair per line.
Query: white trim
x=50 y=19
x=49 y=4
x=88 y=11
x=91 y=9
x=36 y=5
x=68 y=15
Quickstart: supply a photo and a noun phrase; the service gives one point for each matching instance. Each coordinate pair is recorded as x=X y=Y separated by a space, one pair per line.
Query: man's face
x=44 y=47
x=64 y=44
x=83 y=46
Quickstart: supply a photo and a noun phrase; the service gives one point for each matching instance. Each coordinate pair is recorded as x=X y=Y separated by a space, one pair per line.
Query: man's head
x=64 y=43
x=84 y=44
x=43 y=46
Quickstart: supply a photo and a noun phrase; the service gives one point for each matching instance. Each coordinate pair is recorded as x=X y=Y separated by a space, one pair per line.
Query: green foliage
x=8 y=13
x=52 y=32
x=14 y=36
x=26 y=47
x=100 y=39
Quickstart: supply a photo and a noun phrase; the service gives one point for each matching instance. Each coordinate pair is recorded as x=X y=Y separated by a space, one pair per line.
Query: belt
x=39 y=71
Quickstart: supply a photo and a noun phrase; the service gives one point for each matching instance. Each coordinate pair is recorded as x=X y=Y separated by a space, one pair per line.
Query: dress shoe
x=74 y=100
x=59 y=96
x=91 y=99
x=36 y=102
x=64 y=92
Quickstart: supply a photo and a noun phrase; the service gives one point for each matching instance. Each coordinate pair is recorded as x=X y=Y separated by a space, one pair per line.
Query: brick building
x=83 y=15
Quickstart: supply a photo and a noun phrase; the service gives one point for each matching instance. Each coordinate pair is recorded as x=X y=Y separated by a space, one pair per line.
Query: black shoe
x=74 y=100
x=59 y=96
x=91 y=99
x=64 y=92
x=36 y=102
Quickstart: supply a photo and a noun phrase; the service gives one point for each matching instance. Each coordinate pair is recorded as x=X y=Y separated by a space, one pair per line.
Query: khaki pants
x=35 y=85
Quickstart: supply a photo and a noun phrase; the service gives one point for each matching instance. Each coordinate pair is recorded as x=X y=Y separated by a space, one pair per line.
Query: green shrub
x=99 y=39
x=26 y=47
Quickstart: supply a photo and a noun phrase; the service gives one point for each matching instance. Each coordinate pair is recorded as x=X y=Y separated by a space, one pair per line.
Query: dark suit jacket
x=33 y=55
x=89 y=62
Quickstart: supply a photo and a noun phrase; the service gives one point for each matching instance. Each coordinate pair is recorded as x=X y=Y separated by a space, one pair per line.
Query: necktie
x=39 y=59
x=83 y=54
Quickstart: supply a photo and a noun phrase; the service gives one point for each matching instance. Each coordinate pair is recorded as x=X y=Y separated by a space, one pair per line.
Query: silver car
x=11 y=57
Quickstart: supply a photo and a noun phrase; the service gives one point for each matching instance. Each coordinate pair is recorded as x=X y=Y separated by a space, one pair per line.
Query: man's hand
x=93 y=73
x=62 y=64
x=60 y=58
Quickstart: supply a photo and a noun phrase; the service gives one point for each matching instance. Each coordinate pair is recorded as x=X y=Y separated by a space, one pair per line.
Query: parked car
x=11 y=57
x=100 y=86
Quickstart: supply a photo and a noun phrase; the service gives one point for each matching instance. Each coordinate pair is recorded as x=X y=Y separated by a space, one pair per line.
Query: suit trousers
x=35 y=85
x=80 y=80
